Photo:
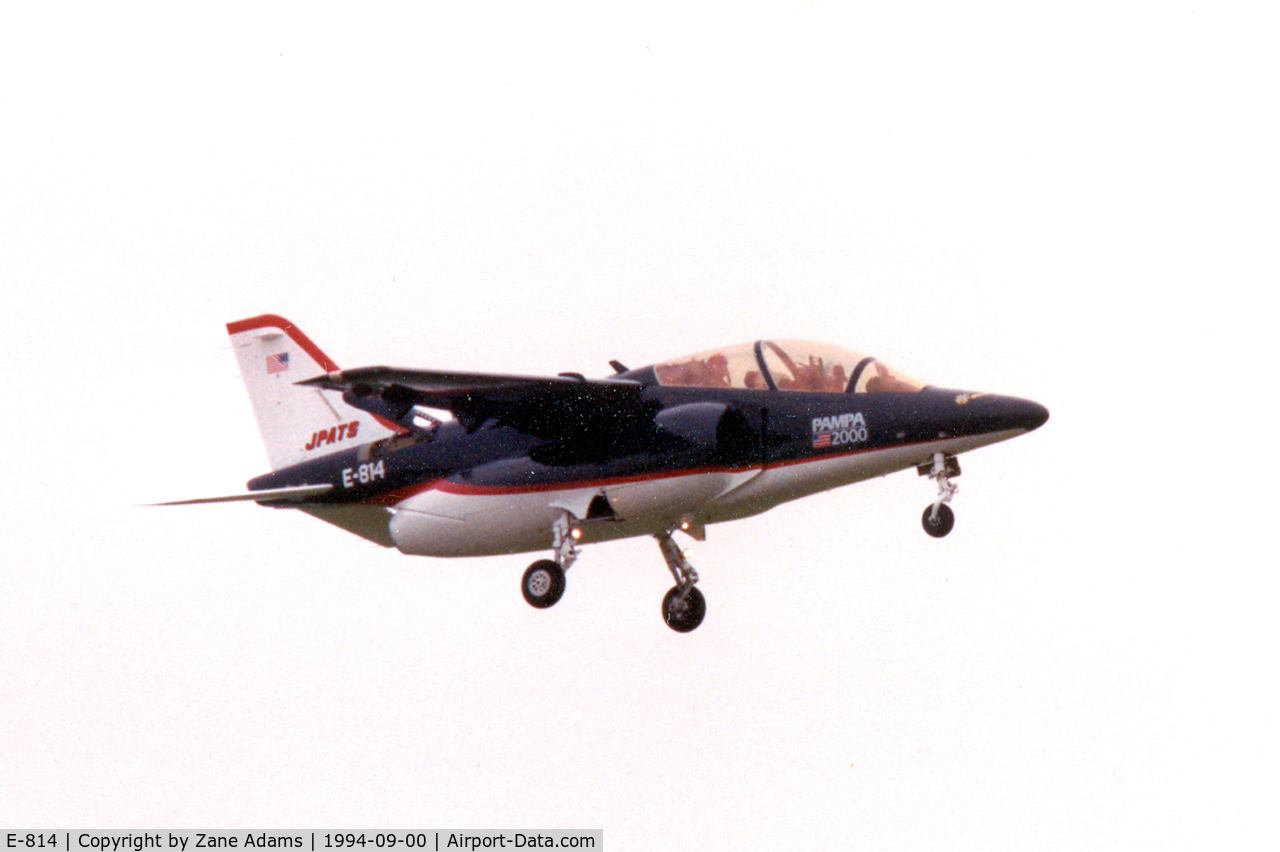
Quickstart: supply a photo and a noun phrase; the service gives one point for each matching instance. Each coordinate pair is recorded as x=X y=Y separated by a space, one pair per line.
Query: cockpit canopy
x=786 y=365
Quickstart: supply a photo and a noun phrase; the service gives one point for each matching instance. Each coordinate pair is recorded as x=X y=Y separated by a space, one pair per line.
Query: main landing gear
x=683 y=608
x=543 y=581
x=938 y=519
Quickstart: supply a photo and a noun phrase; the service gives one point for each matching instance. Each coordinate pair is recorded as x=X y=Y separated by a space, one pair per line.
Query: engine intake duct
x=712 y=426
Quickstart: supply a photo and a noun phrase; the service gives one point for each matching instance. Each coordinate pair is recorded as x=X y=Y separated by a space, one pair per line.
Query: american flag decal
x=822 y=439
x=277 y=363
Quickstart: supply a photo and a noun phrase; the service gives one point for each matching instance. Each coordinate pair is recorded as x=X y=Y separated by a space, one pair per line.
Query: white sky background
x=1074 y=205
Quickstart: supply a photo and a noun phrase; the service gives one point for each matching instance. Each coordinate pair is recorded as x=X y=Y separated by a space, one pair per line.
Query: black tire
x=543 y=583
x=683 y=615
x=941 y=525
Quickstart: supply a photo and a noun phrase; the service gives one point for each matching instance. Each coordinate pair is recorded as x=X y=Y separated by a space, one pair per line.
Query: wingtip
x=331 y=378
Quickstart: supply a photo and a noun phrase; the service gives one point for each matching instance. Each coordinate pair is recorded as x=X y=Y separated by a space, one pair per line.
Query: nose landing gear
x=938 y=519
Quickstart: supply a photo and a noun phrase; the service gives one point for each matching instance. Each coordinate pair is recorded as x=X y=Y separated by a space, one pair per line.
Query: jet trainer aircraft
x=473 y=464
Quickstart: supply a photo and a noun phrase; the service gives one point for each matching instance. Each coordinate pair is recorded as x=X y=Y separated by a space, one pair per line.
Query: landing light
x=575 y=533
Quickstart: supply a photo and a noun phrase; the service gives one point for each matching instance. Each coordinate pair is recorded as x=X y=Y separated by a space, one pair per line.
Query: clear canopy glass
x=786 y=365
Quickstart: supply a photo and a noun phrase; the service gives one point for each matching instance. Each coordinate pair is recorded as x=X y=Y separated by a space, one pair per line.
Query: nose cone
x=1034 y=415
x=1010 y=412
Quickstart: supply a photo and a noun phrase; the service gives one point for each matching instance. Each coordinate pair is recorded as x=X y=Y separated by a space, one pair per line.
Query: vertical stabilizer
x=296 y=423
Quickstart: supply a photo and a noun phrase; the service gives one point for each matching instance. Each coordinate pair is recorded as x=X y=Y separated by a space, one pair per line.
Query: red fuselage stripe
x=391 y=498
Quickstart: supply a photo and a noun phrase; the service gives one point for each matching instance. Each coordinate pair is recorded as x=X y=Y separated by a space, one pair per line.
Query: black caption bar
x=327 y=840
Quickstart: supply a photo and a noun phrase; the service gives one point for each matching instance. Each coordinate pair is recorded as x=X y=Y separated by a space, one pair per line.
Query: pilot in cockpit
x=884 y=381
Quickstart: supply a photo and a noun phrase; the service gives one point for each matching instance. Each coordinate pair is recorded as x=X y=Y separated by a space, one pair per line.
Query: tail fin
x=296 y=423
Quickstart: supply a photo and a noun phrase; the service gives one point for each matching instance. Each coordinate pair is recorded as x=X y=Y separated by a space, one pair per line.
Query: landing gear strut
x=684 y=607
x=543 y=581
x=938 y=519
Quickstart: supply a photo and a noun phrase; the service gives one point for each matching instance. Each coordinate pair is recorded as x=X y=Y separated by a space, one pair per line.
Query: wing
x=557 y=407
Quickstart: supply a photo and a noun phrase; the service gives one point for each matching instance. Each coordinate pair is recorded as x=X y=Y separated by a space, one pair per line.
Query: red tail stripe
x=296 y=335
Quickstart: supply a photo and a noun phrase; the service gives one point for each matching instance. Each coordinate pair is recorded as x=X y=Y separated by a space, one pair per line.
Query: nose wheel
x=938 y=519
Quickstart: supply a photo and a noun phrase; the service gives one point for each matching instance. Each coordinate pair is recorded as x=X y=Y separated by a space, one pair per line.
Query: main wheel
x=940 y=525
x=543 y=583
x=683 y=614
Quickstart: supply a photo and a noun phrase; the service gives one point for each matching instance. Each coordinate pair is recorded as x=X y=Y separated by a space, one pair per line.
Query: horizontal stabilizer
x=292 y=494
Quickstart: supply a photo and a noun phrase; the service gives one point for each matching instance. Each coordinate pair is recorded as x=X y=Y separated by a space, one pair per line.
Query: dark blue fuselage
x=724 y=428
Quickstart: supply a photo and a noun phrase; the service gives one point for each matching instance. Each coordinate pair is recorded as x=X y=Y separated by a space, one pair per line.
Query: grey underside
x=368 y=522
